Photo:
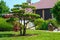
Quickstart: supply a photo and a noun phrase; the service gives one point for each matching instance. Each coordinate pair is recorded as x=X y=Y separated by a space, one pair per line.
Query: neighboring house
x=29 y=25
x=8 y=15
x=43 y=8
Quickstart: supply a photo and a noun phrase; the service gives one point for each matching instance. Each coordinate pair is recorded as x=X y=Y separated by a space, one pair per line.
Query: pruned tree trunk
x=24 y=29
x=20 y=27
x=20 y=31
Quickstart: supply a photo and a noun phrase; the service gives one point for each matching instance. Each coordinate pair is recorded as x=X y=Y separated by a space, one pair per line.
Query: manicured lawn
x=35 y=35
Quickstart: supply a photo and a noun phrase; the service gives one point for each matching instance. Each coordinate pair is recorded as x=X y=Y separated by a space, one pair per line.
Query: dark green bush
x=44 y=26
x=4 y=26
x=0 y=15
x=10 y=19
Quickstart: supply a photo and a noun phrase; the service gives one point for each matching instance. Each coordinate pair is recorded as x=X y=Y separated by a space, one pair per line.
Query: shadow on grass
x=13 y=35
x=6 y=35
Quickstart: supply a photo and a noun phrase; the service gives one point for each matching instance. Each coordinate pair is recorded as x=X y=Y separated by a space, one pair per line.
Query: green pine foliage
x=3 y=7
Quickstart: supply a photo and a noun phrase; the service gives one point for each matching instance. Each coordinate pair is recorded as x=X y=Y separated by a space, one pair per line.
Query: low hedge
x=43 y=24
x=5 y=26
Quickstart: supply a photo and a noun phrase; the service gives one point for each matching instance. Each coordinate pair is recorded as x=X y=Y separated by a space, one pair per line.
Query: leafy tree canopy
x=3 y=7
x=56 y=11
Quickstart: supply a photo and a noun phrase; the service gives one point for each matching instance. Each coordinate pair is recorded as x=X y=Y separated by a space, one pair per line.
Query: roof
x=43 y=4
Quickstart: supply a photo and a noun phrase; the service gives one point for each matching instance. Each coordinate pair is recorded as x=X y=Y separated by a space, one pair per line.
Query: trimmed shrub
x=4 y=26
x=43 y=24
x=40 y=24
x=53 y=22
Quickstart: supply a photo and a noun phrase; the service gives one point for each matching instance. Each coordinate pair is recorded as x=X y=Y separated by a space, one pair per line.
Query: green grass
x=39 y=35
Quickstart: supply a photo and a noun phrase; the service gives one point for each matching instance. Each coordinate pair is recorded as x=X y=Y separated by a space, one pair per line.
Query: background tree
x=3 y=7
x=56 y=11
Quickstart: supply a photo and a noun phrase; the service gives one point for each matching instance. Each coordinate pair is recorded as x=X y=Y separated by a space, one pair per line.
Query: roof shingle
x=43 y=4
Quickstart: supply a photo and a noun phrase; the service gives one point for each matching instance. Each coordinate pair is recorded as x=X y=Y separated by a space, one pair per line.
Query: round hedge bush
x=41 y=24
x=5 y=26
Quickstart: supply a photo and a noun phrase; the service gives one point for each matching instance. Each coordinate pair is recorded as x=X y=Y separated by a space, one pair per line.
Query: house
x=7 y=15
x=43 y=8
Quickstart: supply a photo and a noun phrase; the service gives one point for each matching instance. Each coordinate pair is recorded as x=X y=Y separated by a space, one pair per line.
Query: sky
x=10 y=3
